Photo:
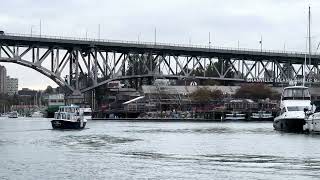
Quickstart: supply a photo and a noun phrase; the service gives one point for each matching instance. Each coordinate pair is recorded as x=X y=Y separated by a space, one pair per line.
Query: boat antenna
x=309 y=35
x=305 y=62
x=304 y=69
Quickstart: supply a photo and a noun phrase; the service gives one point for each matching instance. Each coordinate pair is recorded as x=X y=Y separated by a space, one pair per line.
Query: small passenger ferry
x=68 y=117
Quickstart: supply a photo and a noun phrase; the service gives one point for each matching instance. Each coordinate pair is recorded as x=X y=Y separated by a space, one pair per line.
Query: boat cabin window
x=296 y=108
x=58 y=116
x=69 y=109
x=296 y=94
x=87 y=113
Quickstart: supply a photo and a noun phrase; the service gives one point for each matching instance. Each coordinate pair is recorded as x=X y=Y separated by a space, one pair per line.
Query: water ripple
x=214 y=130
x=93 y=141
x=262 y=164
x=147 y=155
x=6 y=142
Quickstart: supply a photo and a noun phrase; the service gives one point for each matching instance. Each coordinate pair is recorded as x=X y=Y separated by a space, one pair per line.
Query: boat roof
x=72 y=106
x=133 y=100
x=305 y=103
x=296 y=87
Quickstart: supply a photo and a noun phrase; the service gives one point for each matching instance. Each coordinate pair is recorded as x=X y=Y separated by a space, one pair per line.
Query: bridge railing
x=158 y=44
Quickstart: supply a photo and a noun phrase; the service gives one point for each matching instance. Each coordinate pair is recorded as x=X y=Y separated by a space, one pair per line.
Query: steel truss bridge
x=81 y=65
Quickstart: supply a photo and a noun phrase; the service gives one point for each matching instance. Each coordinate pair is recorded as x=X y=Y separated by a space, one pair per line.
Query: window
x=87 y=113
x=296 y=93
x=296 y=108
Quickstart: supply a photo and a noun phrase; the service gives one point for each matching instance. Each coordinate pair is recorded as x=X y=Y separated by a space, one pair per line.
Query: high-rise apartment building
x=12 y=85
x=3 y=80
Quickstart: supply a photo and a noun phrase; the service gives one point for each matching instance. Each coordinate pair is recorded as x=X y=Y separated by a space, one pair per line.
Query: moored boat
x=87 y=113
x=68 y=117
x=37 y=114
x=262 y=116
x=312 y=124
x=294 y=101
x=235 y=116
x=13 y=114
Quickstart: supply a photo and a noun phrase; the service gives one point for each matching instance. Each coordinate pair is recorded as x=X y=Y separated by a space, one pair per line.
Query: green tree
x=256 y=91
x=49 y=90
x=203 y=95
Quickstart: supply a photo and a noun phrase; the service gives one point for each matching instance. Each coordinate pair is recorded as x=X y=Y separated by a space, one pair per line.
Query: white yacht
x=37 y=114
x=312 y=124
x=294 y=101
x=13 y=114
x=86 y=112
x=68 y=117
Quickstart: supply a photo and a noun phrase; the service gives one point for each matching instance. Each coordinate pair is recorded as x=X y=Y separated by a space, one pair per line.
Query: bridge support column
x=75 y=98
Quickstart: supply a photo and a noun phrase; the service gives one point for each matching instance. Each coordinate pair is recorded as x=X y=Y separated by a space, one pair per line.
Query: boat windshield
x=296 y=108
x=87 y=113
x=69 y=109
x=296 y=94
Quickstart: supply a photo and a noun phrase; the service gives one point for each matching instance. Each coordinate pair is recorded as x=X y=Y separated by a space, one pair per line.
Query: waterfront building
x=169 y=98
x=56 y=100
x=12 y=86
x=3 y=80
x=26 y=92
x=241 y=105
x=30 y=96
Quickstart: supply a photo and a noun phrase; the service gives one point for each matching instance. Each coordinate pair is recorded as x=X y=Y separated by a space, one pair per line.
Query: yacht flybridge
x=295 y=100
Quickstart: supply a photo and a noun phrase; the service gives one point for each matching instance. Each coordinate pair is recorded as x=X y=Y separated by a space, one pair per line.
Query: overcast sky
x=281 y=23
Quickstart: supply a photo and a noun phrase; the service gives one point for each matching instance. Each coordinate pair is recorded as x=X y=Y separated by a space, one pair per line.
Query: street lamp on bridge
x=209 y=40
x=31 y=30
x=261 y=43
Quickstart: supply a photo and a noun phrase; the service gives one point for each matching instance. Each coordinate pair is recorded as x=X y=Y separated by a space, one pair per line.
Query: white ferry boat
x=294 y=101
x=262 y=116
x=68 y=117
x=235 y=116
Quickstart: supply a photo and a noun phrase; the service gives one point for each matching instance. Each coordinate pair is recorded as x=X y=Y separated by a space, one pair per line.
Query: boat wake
x=92 y=141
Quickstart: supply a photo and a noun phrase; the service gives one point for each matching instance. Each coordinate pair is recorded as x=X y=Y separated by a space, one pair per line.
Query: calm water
x=29 y=149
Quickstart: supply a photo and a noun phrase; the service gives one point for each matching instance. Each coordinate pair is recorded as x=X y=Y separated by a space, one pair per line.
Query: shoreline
x=166 y=120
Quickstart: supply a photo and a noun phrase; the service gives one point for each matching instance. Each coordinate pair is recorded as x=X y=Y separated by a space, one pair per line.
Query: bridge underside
x=81 y=65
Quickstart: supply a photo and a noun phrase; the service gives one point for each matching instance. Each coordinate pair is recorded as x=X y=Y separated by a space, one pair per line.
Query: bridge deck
x=158 y=48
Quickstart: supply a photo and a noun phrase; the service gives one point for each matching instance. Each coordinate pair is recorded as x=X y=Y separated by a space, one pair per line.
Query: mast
x=304 y=70
x=309 y=36
x=308 y=48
